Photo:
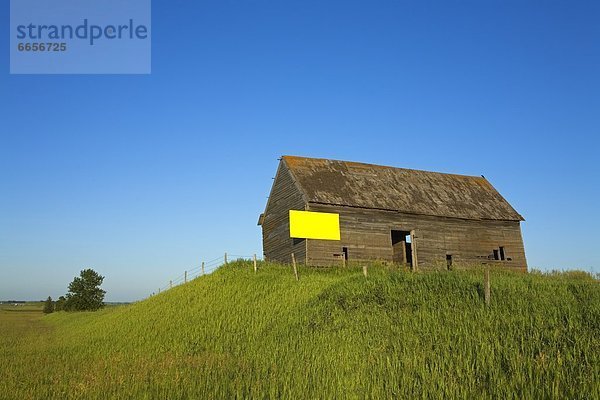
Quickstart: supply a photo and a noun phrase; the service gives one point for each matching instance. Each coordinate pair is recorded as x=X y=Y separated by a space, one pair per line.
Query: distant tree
x=48 y=305
x=85 y=293
x=59 y=305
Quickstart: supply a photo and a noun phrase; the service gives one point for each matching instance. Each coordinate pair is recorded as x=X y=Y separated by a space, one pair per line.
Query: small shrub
x=48 y=306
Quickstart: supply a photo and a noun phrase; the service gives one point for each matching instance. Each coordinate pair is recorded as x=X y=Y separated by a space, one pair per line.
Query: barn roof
x=352 y=184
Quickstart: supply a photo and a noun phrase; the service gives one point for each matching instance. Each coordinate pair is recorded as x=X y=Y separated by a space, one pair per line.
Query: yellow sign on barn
x=314 y=225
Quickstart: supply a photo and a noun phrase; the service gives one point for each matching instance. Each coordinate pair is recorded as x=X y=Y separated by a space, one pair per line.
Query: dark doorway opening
x=449 y=261
x=345 y=251
x=402 y=247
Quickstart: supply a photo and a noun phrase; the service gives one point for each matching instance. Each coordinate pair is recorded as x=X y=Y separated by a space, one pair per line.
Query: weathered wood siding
x=285 y=196
x=367 y=235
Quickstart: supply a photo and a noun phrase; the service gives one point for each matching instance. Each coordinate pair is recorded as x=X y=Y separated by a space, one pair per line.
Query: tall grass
x=333 y=334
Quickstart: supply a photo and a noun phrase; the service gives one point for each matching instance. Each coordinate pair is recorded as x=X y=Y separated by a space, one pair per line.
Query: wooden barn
x=423 y=219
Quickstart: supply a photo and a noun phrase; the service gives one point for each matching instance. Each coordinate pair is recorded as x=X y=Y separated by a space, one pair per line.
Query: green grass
x=333 y=334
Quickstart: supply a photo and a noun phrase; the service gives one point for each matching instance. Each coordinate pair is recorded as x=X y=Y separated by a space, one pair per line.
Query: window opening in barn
x=502 y=255
x=402 y=247
x=449 y=261
x=345 y=252
x=496 y=254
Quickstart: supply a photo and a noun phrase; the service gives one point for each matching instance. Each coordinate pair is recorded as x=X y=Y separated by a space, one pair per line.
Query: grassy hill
x=333 y=334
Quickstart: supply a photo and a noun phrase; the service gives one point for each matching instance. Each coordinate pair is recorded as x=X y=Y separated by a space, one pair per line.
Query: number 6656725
x=42 y=46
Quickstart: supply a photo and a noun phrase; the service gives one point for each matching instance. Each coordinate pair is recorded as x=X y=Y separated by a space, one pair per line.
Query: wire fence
x=205 y=268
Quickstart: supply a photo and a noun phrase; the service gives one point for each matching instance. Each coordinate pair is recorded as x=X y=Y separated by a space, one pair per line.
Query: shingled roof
x=410 y=191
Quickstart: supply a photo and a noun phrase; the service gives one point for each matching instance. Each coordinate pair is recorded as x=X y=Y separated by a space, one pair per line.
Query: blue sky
x=142 y=177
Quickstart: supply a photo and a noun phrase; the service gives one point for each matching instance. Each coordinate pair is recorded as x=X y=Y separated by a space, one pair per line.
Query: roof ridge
x=384 y=166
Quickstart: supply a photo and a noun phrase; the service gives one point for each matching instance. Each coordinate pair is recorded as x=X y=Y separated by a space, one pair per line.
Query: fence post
x=202 y=267
x=225 y=259
x=185 y=277
x=486 y=286
x=170 y=284
x=343 y=260
x=254 y=263
x=365 y=270
x=413 y=247
x=294 y=264
x=158 y=290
